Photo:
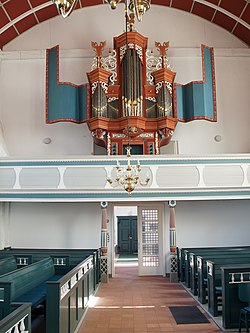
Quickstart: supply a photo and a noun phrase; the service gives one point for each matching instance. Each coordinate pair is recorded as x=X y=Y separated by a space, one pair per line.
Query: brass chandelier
x=139 y=7
x=128 y=176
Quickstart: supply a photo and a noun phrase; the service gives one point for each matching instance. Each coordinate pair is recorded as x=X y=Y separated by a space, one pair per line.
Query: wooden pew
x=27 y=284
x=215 y=280
x=200 y=251
x=19 y=320
x=68 y=298
x=7 y=264
x=194 y=275
x=202 y=278
x=64 y=259
x=232 y=278
x=69 y=301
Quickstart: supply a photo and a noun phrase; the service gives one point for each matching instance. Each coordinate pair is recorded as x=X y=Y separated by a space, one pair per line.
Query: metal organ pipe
x=132 y=84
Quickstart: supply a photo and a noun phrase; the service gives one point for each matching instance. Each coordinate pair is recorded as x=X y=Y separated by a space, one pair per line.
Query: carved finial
x=162 y=48
x=131 y=21
x=98 y=51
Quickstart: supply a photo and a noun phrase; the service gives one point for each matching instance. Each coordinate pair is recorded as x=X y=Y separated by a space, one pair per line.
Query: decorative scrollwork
x=136 y=47
x=168 y=85
x=93 y=87
x=108 y=63
x=104 y=86
x=152 y=63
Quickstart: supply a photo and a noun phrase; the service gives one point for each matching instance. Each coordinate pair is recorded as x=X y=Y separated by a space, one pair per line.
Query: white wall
x=212 y=223
x=55 y=225
x=4 y=224
x=23 y=70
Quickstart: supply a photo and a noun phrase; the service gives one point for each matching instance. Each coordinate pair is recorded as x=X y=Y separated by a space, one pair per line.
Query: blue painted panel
x=197 y=100
x=66 y=102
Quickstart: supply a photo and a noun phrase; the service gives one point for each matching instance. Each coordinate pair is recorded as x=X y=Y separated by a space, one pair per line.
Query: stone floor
x=130 y=303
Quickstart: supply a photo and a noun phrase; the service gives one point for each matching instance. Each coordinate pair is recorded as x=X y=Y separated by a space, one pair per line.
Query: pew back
x=215 y=280
x=232 y=277
x=185 y=270
x=7 y=264
x=64 y=259
x=213 y=256
x=16 y=284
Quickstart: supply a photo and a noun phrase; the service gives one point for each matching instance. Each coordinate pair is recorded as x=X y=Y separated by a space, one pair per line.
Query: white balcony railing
x=85 y=179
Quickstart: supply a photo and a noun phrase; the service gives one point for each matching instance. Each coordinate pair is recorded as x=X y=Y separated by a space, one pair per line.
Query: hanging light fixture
x=129 y=175
x=139 y=7
x=65 y=7
x=112 y=3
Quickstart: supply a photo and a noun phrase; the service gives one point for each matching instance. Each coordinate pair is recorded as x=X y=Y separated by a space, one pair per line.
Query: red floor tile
x=129 y=303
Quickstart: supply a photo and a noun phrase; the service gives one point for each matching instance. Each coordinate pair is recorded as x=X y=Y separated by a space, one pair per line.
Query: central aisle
x=129 y=303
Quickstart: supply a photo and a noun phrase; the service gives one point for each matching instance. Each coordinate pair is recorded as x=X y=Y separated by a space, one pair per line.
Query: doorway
x=127 y=235
x=138 y=234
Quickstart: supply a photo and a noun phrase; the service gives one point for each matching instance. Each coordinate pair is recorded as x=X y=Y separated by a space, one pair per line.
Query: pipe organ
x=131 y=96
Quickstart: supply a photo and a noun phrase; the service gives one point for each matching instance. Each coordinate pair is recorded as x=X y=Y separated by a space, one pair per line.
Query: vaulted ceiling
x=17 y=16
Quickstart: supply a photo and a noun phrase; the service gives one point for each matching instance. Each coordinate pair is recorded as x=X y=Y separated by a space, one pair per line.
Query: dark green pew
x=27 y=284
x=64 y=259
x=7 y=264
x=202 y=278
x=19 y=318
x=193 y=264
x=232 y=278
x=199 y=251
x=68 y=298
x=214 y=283
x=182 y=256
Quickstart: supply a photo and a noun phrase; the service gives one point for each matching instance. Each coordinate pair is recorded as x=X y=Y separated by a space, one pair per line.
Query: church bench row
x=27 y=284
x=224 y=281
x=64 y=259
x=183 y=256
x=231 y=255
x=234 y=278
x=202 y=270
x=214 y=282
x=221 y=264
x=66 y=298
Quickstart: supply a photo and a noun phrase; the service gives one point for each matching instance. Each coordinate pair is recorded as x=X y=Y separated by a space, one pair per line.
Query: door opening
x=125 y=240
x=127 y=235
x=138 y=239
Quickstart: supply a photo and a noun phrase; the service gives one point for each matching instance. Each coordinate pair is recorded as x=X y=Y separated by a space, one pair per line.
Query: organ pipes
x=132 y=85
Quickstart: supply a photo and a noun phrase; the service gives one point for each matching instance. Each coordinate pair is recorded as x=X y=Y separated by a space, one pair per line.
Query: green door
x=127 y=234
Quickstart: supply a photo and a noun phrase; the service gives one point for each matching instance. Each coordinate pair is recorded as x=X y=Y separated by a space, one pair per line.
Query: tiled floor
x=129 y=303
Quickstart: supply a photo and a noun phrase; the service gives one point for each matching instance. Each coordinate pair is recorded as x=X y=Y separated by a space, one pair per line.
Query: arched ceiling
x=17 y=16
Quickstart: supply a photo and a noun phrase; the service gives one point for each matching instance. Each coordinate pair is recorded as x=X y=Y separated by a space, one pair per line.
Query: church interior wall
x=212 y=223
x=55 y=225
x=74 y=225
x=22 y=111
x=23 y=107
